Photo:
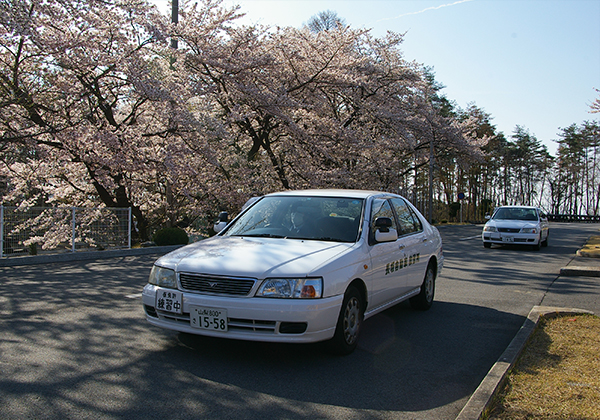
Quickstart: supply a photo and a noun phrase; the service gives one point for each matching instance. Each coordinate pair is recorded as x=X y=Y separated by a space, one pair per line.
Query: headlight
x=487 y=228
x=163 y=277
x=529 y=230
x=291 y=288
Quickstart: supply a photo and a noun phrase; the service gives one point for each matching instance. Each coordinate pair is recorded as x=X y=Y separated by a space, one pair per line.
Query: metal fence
x=36 y=230
x=570 y=218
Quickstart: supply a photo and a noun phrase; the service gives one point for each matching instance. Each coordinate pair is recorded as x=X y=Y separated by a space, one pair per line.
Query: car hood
x=253 y=257
x=510 y=223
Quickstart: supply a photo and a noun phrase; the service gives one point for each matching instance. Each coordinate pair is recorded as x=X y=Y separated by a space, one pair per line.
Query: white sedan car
x=299 y=266
x=516 y=225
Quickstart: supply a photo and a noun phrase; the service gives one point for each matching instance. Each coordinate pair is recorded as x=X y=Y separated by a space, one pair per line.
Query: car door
x=387 y=258
x=415 y=243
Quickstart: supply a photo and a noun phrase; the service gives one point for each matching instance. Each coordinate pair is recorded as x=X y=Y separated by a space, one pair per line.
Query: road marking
x=136 y=296
x=470 y=237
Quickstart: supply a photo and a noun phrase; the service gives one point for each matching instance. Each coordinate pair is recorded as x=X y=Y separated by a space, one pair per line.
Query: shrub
x=170 y=236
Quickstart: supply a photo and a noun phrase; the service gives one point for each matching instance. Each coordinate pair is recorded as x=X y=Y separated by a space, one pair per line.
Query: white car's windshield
x=516 y=214
x=318 y=218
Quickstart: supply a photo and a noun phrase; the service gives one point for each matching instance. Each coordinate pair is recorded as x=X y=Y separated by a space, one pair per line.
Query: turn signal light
x=308 y=291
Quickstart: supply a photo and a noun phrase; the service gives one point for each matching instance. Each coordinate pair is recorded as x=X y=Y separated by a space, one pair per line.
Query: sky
x=532 y=63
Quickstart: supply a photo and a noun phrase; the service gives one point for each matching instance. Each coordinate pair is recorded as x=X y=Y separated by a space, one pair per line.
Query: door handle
x=425 y=239
x=401 y=246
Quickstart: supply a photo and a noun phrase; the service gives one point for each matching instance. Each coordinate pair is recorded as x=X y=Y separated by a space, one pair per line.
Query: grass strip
x=557 y=376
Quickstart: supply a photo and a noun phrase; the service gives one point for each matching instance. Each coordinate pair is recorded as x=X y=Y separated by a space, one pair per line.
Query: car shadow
x=406 y=361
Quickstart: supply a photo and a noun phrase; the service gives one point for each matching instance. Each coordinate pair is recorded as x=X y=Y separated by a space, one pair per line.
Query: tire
x=538 y=246
x=487 y=245
x=424 y=299
x=545 y=242
x=345 y=339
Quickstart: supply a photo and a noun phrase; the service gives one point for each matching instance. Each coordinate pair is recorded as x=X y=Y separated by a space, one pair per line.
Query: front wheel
x=345 y=339
x=424 y=299
x=545 y=242
x=538 y=246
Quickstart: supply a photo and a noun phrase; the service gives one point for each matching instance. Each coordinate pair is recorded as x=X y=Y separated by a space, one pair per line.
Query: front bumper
x=500 y=238
x=252 y=318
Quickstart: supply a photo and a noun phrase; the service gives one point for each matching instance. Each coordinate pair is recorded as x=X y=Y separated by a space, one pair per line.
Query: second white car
x=516 y=225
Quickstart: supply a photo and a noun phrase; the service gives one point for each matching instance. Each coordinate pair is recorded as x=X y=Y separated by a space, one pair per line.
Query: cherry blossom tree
x=91 y=110
x=96 y=107
x=325 y=21
x=595 y=106
x=326 y=109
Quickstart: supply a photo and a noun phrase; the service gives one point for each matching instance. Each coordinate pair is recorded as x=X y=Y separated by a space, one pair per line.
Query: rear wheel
x=424 y=299
x=349 y=322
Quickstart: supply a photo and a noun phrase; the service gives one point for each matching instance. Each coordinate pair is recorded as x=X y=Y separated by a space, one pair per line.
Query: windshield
x=317 y=218
x=516 y=214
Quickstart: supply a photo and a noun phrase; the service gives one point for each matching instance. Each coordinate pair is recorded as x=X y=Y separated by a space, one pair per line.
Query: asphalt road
x=74 y=343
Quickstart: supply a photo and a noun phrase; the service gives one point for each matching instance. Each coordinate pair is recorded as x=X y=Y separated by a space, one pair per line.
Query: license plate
x=507 y=239
x=169 y=300
x=208 y=318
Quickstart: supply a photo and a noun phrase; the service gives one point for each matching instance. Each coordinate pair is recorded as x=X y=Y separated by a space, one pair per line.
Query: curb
x=483 y=396
x=580 y=271
x=85 y=255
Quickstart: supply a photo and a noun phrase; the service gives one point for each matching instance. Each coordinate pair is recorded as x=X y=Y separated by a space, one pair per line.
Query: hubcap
x=351 y=320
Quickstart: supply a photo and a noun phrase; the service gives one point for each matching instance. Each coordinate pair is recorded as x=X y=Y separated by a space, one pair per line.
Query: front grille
x=215 y=285
x=509 y=230
x=183 y=318
x=251 y=325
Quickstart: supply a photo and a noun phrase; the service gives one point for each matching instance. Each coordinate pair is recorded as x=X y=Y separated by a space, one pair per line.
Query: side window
x=407 y=219
x=381 y=208
x=418 y=224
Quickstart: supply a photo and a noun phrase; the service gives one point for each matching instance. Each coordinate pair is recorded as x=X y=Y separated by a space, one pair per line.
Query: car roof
x=516 y=207
x=332 y=193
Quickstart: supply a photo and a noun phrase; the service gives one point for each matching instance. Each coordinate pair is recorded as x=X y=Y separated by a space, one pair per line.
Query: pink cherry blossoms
x=96 y=109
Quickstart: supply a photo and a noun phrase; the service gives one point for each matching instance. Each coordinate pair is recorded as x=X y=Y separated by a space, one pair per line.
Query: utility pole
x=174 y=19
x=174 y=45
x=431 y=166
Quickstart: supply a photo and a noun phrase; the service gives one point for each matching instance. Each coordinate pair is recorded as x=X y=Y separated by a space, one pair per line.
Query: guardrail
x=573 y=218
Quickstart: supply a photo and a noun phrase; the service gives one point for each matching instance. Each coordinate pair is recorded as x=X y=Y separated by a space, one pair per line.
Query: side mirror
x=222 y=221
x=383 y=224
x=488 y=217
x=384 y=231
